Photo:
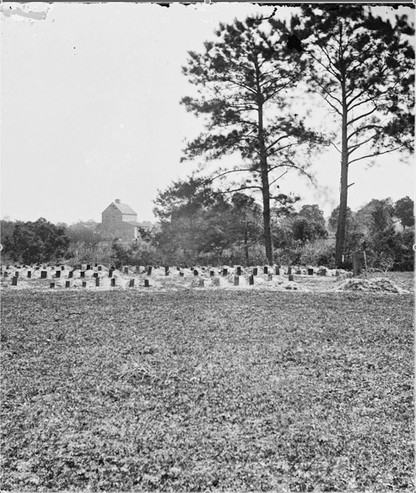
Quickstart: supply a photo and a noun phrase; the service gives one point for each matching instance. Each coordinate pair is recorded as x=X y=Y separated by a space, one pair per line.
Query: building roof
x=124 y=208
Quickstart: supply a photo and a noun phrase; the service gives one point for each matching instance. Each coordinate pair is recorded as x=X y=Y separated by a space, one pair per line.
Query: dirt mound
x=378 y=284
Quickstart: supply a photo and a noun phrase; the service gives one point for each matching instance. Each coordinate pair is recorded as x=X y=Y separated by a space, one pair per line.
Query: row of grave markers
x=201 y=283
x=84 y=283
x=44 y=273
x=97 y=283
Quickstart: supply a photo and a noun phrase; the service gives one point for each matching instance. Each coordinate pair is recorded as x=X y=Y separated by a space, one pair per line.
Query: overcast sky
x=90 y=111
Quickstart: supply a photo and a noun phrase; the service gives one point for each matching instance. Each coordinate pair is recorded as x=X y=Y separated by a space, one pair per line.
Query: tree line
x=197 y=224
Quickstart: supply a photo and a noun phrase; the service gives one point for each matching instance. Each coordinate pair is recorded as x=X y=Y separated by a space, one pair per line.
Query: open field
x=201 y=390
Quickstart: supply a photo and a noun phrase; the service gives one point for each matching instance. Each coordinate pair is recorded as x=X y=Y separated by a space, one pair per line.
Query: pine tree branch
x=278 y=178
x=356 y=97
x=357 y=146
x=240 y=84
x=275 y=151
x=225 y=173
x=336 y=147
x=337 y=110
x=365 y=127
x=375 y=98
x=276 y=141
x=375 y=154
x=364 y=115
x=331 y=64
x=245 y=187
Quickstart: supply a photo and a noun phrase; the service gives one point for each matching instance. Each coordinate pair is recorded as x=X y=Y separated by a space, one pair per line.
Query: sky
x=90 y=111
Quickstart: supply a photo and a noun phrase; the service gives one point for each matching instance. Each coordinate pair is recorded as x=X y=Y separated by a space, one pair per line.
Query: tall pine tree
x=363 y=67
x=244 y=79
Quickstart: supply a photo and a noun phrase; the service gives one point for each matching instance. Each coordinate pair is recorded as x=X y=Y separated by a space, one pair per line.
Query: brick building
x=120 y=221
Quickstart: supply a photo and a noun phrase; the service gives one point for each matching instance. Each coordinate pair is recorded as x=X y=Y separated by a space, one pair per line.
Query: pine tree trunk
x=265 y=190
x=264 y=170
x=266 y=216
x=246 y=244
x=342 y=217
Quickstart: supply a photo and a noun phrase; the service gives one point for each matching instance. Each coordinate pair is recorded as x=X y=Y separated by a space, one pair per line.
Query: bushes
x=319 y=252
x=390 y=250
x=405 y=259
x=140 y=254
x=31 y=242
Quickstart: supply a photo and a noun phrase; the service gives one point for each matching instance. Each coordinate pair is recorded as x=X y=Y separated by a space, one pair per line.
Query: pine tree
x=363 y=67
x=244 y=79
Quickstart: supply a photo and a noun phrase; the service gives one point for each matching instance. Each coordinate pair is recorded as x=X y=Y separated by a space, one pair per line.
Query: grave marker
x=201 y=283
x=224 y=272
x=125 y=270
x=149 y=271
x=84 y=284
x=110 y=273
x=251 y=280
x=291 y=277
x=70 y=274
x=29 y=274
x=97 y=282
x=82 y=274
x=196 y=273
x=43 y=274
x=166 y=270
x=146 y=283
x=131 y=283
x=277 y=271
x=310 y=272
x=270 y=277
x=67 y=284
x=14 y=281
x=100 y=268
x=58 y=274
x=52 y=285
x=238 y=271
x=95 y=275
x=265 y=270
x=236 y=281
x=88 y=267
x=113 y=282
x=255 y=271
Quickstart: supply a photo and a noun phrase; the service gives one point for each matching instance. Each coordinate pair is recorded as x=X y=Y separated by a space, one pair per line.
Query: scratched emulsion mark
x=26 y=11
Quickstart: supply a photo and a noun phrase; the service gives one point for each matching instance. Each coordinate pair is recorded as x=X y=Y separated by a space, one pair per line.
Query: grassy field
x=206 y=391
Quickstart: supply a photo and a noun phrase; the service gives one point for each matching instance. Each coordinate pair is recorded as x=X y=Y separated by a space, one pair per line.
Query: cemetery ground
x=206 y=390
